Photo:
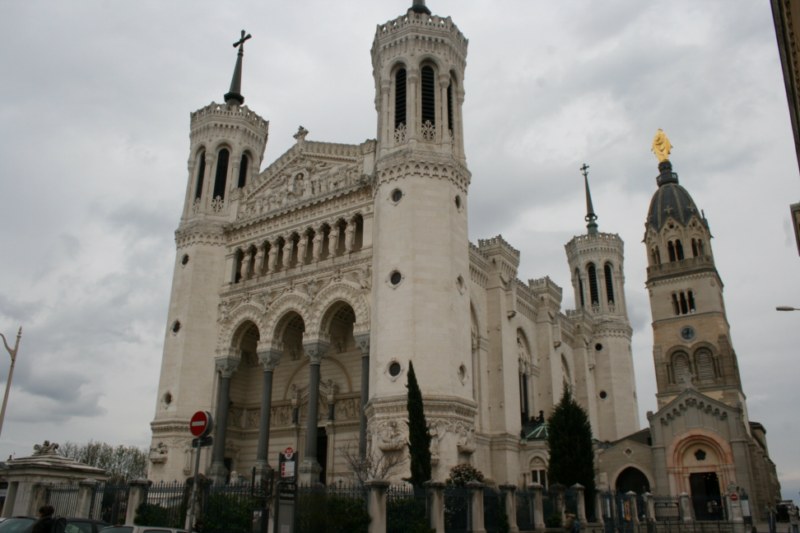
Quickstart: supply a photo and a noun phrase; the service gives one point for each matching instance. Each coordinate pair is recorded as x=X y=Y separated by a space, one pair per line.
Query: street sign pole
x=200 y=426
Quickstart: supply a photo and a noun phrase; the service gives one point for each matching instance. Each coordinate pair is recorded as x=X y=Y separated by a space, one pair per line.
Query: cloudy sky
x=94 y=120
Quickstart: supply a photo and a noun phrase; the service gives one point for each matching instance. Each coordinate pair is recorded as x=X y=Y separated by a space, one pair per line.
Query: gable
x=307 y=173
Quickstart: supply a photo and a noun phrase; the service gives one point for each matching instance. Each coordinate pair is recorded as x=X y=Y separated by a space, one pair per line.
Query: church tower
x=598 y=280
x=691 y=337
x=227 y=144
x=420 y=298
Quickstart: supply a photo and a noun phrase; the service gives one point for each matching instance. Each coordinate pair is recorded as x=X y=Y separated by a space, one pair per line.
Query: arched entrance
x=632 y=479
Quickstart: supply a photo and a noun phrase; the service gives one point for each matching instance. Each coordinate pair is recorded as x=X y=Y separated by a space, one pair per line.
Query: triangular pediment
x=692 y=399
x=306 y=173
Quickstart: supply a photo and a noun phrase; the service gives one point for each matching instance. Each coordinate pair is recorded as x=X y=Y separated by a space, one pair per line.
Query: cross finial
x=234 y=96
x=590 y=217
x=240 y=42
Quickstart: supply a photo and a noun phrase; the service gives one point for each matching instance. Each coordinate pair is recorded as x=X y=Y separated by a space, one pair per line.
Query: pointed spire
x=590 y=217
x=234 y=96
x=419 y=7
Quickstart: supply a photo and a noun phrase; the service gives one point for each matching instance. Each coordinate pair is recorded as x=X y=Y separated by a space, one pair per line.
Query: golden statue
x=661 y=146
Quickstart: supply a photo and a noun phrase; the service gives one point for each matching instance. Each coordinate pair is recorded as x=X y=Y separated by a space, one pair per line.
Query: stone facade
x=302 y=292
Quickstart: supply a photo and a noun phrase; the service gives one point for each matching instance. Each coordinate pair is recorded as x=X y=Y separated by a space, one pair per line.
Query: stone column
x=579 y=492
x=349 y=233
x=136 y=496
x=11 y=497
x=362 y=340
x=376 y=505
x=435 y=491
x=649 y=507
x=259 y=263
x=538 y=506
x=316 y=245
x=269 y=360
x=309 y=467
x=510 y=501
x=301 y=249
x=85 y=491
x=686 y=507
x=476 y=506
x=38 y=498
x=333 y=241
x=630 y=497
x=226 y=366
x=272 y=256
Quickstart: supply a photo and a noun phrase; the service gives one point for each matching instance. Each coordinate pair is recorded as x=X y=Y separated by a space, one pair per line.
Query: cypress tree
x=419 y=438
x=569 y=441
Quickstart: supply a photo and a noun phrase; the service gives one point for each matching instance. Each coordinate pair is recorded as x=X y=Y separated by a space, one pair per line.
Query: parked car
x=140 y=529
x=24 y=524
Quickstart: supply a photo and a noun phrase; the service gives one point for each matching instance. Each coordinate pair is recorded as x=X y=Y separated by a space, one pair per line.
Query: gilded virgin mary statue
x=661 y=146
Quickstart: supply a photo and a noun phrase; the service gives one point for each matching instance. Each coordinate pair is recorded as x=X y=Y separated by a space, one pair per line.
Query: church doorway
x=706 y=498
x=632 y=479
x=322 y=454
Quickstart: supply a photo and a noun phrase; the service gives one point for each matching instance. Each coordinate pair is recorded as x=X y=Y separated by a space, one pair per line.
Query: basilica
x=302 y=292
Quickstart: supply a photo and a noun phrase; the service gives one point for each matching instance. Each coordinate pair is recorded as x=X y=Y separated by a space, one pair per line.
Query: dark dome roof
x=670 y=200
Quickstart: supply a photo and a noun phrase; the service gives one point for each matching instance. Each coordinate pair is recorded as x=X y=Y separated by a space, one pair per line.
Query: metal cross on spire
x=234 y=96
x=590 y=216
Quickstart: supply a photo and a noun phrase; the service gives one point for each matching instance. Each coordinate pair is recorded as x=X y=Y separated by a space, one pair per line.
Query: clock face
x=687 y=333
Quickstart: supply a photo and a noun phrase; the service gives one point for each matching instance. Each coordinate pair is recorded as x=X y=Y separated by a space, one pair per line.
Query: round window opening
x=395 y=277
x=603 y=395
x=458 y=202
x=184 y=259
x=598 y=347
x=462 y=373
x=167 y=398
x=397 y=194
x=394 y=369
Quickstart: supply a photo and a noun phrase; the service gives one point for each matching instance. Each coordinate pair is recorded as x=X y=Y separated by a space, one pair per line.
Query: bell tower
x=598 y=279
x=420 y=247
x=227 y=143
x=691 y=337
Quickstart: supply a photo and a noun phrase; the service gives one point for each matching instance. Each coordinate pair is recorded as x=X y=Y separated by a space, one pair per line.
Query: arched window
x=594 y=293
x=682 y=368
x=524 y=360
x=400 y=98
x=671 y=250
x=694 y=248
x=237 y=266
x=245 y=162
x=222 y=173
x=609 y=283
x=201 y=171
x=450 y=106
x=580 y=287
x=358 y=236
x=539 y=472
x=679 y=249
x=428 y=87
x=704 y=362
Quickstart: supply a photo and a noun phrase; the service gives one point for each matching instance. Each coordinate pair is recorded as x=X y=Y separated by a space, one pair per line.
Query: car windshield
x=16 y=525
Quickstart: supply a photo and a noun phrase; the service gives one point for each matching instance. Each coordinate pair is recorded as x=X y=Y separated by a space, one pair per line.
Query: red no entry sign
x=200 y=424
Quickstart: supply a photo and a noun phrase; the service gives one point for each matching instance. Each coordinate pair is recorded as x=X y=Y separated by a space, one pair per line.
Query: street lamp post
x=13 y=354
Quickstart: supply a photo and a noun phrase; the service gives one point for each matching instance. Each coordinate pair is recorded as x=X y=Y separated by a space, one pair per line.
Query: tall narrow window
x=691 y=302
x=222 y=173
x=400 y=98
x=675 y=307
x=679 y=249
x=580 y=287
x=201 y=171
x=609 y=283
x=450 y=106
x=245 y=162
x=705 y=365
x=594 y=293
x=428 y=85
x=671 y=250
x=684 y=304
x=694 y=248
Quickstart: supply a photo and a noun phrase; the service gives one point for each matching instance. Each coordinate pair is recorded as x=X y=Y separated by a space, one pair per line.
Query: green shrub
x=321 y=513
x=406 y=515
x=462 y=474
x=225 y=512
